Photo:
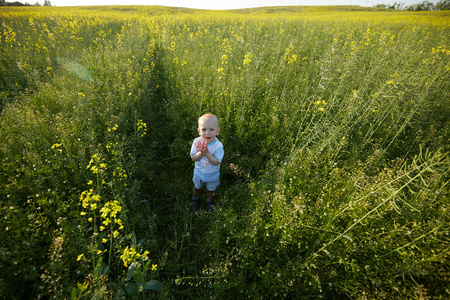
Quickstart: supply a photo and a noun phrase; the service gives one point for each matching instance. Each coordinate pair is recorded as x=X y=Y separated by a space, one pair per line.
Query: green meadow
x=335 y=181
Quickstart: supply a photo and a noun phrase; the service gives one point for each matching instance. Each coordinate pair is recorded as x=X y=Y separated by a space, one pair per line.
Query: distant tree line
x=17 y=3
x=423 y=6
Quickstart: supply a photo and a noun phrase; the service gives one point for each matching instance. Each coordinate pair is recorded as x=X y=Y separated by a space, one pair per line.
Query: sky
x=226 y=4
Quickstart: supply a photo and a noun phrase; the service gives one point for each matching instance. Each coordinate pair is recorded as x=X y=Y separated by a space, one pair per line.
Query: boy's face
x=208 y=128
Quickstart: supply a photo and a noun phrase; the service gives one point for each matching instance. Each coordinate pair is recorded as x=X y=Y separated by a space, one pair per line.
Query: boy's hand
x=201 y=145
x=205 y=149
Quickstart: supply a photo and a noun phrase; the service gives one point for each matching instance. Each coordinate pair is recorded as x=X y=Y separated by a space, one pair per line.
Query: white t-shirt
x=205 y=170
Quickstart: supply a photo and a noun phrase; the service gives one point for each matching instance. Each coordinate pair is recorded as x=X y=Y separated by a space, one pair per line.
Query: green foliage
x=332 y=238
x=334 y=183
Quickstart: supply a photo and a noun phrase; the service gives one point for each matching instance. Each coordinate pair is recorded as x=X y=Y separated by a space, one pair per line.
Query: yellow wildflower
x=247 y=58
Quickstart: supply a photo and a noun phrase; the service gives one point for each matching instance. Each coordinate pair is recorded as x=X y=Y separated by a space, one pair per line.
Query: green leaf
x=98 y=268
x=328 y=253
x=153 y=285
x=105 y=270
x=131 y=288
x=316 y=243
x=142 y=201
x=133 y=239
x=347 y=237
x=147 y=264
x=131 y=271
x=74 y=294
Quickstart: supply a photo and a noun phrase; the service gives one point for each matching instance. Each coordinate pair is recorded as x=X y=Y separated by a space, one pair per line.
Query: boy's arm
x=197 y=156
x=211 y=158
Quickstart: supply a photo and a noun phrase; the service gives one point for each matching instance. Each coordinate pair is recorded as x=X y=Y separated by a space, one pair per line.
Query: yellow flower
x=94 y=169
x=85 y=197
x=128 y=255
x=247 y=58
x=154 y=267
x=80 y=257
x=294 y=58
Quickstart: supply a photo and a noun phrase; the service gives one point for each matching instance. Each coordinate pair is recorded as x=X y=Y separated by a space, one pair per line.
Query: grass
x=335 y=177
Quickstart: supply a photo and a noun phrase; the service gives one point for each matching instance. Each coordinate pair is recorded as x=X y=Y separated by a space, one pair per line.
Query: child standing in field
x=207 y=152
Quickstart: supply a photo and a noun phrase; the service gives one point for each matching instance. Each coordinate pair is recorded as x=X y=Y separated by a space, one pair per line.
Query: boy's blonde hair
x=207 y=117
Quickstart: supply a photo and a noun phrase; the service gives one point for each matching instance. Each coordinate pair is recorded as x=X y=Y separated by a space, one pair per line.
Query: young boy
x=207 y=152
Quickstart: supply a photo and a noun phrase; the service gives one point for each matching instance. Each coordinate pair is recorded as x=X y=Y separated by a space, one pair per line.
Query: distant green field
x=335 y=180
